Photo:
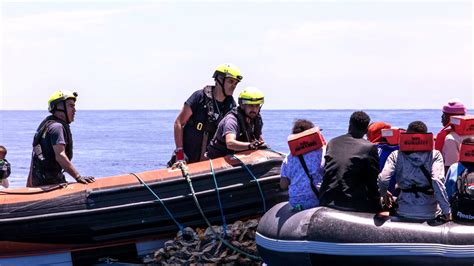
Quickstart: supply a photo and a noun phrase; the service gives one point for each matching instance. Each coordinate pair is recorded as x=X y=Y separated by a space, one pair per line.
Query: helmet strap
x=55 y=109
x=221 y=83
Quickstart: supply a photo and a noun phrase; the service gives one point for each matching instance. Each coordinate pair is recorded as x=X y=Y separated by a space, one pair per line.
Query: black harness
x=246 y=134
x=45 y=165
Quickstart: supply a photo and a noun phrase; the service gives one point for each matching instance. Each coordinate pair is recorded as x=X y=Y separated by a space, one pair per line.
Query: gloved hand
x=179 y=153
x=257 y=144
x=85 y=179
x=181 y=158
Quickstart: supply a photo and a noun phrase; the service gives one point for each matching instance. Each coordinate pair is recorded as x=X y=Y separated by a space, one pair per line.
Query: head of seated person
x=358 y=124
x=417 y=127
x=414 y=128
x=301 y=125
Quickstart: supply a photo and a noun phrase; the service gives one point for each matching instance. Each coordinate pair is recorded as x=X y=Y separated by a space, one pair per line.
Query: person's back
x=350 y=172
x=419 y=174
x=301 y=171
x=460 y=184
x=386 y=139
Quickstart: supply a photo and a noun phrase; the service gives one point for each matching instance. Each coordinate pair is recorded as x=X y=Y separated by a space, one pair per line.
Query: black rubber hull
x=131 y=212
x=324 y=236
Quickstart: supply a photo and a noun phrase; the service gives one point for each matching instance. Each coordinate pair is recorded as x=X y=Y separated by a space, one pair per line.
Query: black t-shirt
x=199 y=122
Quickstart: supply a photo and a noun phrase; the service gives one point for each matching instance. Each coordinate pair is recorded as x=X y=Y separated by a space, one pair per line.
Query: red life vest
x=416 y=142
x=306 y=141
x=463 y=124
x=441 y=136
x=466 y=154
x=392 y=135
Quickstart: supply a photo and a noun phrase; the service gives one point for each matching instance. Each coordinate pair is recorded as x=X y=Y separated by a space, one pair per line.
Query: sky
x=303 y=55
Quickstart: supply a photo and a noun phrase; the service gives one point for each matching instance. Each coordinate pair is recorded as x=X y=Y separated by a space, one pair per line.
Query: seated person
x=5 y=168
x=447 y=140
x=241 y=128
x=302 y=169
x=460 y=183
x=386 y=138
x=351 y=169
x=419 y=173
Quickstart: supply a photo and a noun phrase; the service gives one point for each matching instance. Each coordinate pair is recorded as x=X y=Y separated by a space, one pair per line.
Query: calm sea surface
x=110 y=143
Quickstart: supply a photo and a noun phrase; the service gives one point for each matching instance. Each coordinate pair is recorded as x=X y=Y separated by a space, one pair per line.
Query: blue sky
x=302 y=55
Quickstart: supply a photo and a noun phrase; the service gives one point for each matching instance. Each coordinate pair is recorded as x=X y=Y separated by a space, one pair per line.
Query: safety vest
x=463 y=124
x=302 y=143
x=412 y=142
x=247 y=133
x=392 y=135
x=306 y=141
x=441 y=137
x=45 y=166
x=202 y=125
x=466 y=153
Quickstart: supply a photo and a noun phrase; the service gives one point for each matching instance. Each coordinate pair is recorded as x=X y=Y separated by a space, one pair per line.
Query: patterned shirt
x=300 y=190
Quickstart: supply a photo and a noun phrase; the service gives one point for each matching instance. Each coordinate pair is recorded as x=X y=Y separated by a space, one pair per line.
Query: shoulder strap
x=305 y=167
x=209 y=102
x=427 y=175
x=241 y=120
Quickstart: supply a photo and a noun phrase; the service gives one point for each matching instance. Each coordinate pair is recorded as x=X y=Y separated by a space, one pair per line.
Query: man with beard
x=241 y=128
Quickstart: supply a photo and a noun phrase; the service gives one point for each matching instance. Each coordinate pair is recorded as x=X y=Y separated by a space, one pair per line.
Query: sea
x=108 y=143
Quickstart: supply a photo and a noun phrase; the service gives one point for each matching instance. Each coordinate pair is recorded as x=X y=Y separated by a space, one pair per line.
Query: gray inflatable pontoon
x=325 y=236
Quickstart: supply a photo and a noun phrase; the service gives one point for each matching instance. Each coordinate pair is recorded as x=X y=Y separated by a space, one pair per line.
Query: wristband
x=179 y=154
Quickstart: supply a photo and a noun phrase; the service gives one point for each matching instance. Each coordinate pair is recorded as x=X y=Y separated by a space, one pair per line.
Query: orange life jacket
x=441 y=136
x=416 y=142
x=306 y=141
x=392 y=135
x=466 y=154
x=463 y=124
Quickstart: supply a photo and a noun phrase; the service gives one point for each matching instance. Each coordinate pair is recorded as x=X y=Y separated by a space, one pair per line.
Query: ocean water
x=110 y=143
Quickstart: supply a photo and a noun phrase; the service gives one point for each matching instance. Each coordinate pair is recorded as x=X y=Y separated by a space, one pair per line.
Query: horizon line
x=327 y=109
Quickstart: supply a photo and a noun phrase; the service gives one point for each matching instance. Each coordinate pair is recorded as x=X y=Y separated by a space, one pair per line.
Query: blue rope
x=185 y=173
x=256 y=180
x=180 y=226
x=224 y=223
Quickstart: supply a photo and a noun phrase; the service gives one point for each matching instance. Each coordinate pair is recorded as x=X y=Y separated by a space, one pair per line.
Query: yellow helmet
x=60 y=96
x=251 y=95
x=228 y=71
